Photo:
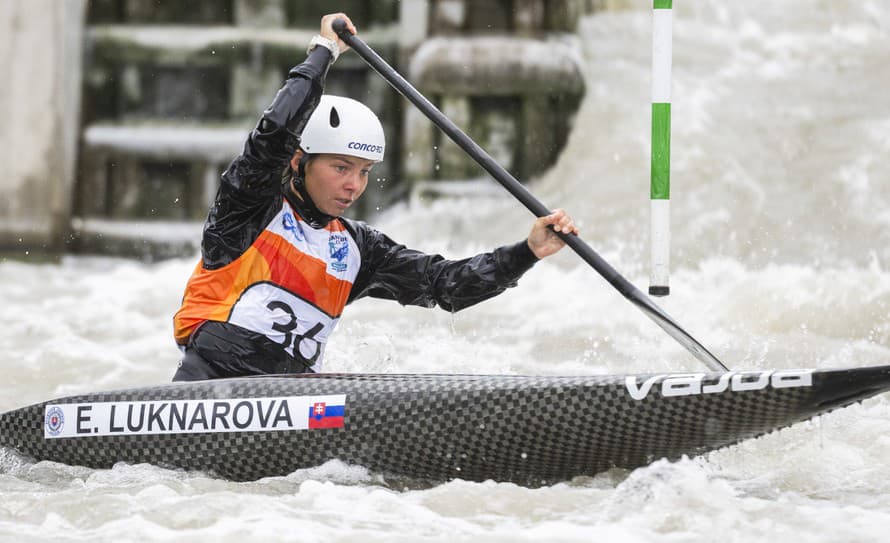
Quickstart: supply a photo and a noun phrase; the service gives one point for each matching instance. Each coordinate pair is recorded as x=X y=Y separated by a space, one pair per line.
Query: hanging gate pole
x=660 y=174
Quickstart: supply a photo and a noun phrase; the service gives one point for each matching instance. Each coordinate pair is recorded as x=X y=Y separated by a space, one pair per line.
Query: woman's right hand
x=327 y=29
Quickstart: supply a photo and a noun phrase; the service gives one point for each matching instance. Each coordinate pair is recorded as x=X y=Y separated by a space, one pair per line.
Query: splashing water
x=781 y=241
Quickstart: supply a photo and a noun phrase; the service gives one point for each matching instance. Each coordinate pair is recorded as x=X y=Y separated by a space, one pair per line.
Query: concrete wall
x=507 y=72
x=40 y=52
x=63 y=155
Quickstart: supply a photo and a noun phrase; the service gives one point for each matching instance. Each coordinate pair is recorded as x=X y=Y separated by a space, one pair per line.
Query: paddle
x=643 y=302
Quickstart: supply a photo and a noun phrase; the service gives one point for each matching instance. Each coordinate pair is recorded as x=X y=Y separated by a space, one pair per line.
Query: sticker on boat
x=194 y=416
x=690 y=384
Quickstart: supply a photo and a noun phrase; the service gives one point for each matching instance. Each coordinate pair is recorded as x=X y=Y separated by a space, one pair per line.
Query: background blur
x=119 y=115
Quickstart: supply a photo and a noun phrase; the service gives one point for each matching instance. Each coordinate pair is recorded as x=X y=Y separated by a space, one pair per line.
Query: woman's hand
x=543 y=240
x=327 y=29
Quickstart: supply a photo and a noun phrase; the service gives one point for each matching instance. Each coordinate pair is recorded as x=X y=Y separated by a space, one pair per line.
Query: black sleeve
x=249 y=194
x=393 y=272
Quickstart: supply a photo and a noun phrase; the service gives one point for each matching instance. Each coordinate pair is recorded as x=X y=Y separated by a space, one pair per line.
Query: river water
x=781 y=258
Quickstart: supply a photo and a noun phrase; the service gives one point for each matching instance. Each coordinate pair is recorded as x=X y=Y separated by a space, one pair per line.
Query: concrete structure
x=171 y=93
x=39 y=122
x=170 y=90
x=508 y=72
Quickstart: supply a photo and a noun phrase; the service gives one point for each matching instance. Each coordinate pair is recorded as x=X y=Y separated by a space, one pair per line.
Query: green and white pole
x=660 y=180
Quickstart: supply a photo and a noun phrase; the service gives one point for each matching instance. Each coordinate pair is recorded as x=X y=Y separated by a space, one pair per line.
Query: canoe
x=531 y=430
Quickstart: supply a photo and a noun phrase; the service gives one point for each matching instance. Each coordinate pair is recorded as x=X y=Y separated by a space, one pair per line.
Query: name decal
x=286 y=413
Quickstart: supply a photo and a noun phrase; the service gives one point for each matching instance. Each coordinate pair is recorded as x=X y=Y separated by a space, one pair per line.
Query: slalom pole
x=514 y=187
x=660 y=171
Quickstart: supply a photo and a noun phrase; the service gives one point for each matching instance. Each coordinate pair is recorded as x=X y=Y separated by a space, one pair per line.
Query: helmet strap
x=301 y=167
x=307 y=209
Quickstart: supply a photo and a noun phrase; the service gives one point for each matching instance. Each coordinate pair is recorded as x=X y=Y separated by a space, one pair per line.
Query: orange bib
x=290 y=285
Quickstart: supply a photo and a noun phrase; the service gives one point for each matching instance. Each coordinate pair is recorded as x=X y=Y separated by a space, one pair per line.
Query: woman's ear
x=295 y=160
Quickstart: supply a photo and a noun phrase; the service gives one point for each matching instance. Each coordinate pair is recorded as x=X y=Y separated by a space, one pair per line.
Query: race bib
x=298 y=326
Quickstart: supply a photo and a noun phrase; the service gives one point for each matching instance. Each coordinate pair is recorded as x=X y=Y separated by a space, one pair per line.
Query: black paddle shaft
x=522 y=194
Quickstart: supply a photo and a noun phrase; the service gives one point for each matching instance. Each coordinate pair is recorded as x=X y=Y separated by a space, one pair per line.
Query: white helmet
x=343 y=126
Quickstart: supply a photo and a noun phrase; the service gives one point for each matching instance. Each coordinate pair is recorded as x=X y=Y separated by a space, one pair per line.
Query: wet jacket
x=276 y=272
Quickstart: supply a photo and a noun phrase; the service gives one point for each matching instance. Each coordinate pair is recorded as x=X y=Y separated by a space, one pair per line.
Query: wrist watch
x=328 y=44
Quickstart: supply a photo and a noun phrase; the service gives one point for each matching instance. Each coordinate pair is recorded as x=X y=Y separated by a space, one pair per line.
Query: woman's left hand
x=543 y=240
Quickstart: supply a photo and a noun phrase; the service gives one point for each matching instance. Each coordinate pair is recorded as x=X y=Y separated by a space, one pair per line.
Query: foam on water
x=781 y=258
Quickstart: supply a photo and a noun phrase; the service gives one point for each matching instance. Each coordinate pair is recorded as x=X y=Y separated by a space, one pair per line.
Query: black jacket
x=252 y=192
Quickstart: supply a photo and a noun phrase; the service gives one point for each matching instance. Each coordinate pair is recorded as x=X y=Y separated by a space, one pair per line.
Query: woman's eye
x=341 y=169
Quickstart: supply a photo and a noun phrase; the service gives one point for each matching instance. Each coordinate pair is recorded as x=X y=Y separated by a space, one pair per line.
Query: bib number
x=293 y=340
x=298 y=326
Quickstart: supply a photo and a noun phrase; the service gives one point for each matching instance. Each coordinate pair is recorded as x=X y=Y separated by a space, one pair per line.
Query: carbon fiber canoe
x=531 y=430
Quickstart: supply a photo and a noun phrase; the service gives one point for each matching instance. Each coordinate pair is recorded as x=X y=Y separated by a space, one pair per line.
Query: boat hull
x=530 y=430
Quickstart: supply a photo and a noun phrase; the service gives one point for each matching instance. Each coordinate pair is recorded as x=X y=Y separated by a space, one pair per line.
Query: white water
x=781 y=258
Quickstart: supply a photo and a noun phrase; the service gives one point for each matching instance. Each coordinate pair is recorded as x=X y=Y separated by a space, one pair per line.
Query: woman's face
x=334 y=182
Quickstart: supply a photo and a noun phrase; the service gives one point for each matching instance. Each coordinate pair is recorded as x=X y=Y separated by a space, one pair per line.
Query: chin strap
x=301 y=167
x=304 y=205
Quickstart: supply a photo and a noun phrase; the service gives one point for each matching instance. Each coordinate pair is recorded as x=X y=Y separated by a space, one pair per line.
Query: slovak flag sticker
x=327 y=414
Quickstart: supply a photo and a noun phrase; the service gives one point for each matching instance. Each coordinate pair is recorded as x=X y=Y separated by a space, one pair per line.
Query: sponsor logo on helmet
x=369 y=147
